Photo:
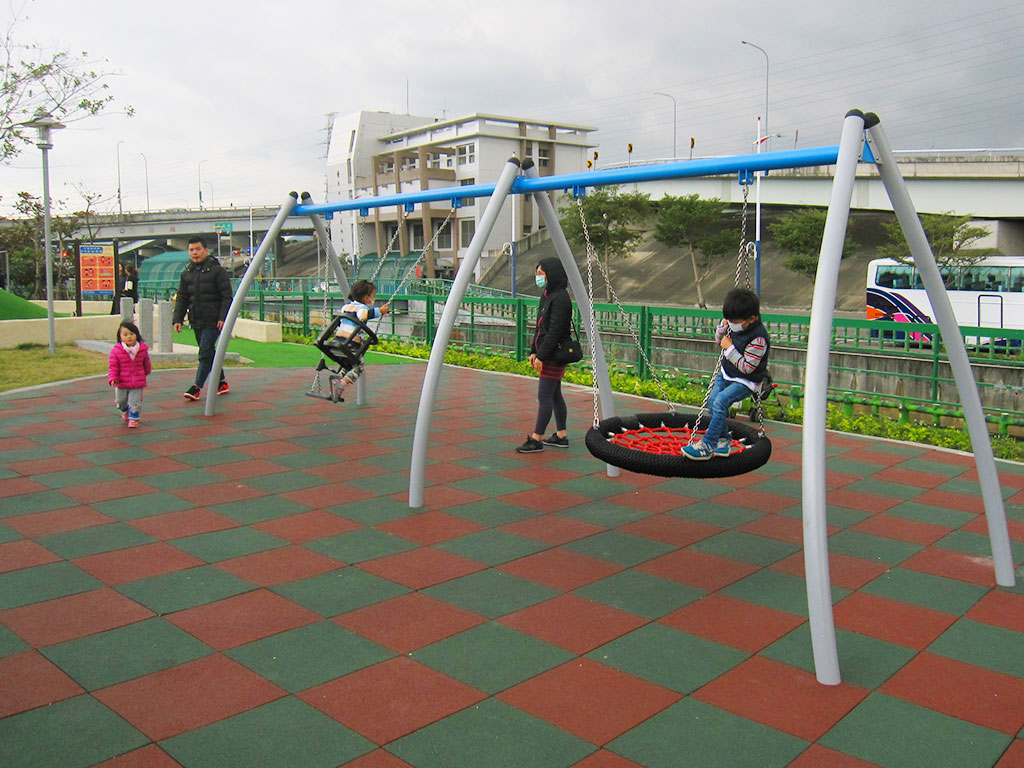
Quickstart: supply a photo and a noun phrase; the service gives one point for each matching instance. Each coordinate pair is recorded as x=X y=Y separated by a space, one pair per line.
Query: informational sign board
x=224 y=227
x=97 y=270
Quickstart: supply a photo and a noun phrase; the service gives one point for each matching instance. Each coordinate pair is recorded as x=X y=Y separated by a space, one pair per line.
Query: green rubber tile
x=622 y=548
x=382 y=485
x=716 y=514
x=594 y=486
x=923 y=465
x=878 y=487
x=211 y=457
x=285 y=733
x=30 y=503
x=8 y=534
x=875 y=548
x=44 y=582
x=171 y=592
x=640 y=593
x=852 y=467
x=778 y=590
x=93 y=540
x=142 y=506
x=357 y=546
x=73 y=733
x=841 y=517
x=309 y=655
x=936 y=592
x=491 y=733
x=492 y=547
x=231 y=439
x=7 y=474
x=488 y=462
x=971 y=488
x=316 y=443
x=374 y=513
x=978 y=544
x=234 y=542
x=346 y=589
x=10 y=643
x=781 y=486
x=491 y=593
x=305 y=460
x=706 y=736
x=29 y=454
x=898 y=734
x=396 y=462
x=983 y=645
x=111 y=657
x=260 y=509
x=185 y=478
x=900 y=449
x=863 y=660
x=757 y=550
x=492 y=513
x=675 y=660
x=912 y=510
x=102 y=458
x=583 y=465
x=492 y=485
x=605 y=514
x=471 y=657
x=282 y=482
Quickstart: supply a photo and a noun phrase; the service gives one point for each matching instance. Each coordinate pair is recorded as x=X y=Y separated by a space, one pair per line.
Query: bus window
x=893 y=276
x=996 y=278
x=1016 y=283
x=974 y=278
x=949 y=279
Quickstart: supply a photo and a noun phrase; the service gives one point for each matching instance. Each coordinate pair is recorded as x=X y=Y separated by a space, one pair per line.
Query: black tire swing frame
x=345 y=353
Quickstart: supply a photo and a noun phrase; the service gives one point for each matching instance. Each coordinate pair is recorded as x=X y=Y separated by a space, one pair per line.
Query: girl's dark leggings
x=550 y=400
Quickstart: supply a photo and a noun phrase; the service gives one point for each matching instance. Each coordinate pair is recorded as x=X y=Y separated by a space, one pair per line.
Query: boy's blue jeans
x=723 y=394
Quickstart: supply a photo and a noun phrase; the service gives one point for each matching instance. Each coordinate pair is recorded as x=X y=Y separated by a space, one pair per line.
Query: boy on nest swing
x=745 y=346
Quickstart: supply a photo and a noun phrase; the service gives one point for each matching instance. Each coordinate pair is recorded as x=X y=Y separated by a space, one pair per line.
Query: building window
x=348 y=170
x=416 y=235
x=466 y=154
x=351 y=141
x=386 y=166
x=543 y=156
x=433 y=160
x=444 y=240
x=467 y=228
x=389 y=236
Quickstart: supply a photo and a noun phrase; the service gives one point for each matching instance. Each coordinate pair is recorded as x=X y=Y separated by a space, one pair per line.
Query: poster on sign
x=96 y=263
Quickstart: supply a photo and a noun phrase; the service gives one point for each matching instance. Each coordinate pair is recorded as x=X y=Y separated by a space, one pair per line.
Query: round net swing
x=652 y=443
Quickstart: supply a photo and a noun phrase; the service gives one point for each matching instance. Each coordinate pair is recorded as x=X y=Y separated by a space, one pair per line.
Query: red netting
x=667 y=441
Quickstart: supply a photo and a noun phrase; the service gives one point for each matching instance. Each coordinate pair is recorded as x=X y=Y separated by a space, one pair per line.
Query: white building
x=380 y=153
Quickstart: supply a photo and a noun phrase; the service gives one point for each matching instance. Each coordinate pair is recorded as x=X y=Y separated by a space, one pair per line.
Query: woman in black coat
x=554 y=326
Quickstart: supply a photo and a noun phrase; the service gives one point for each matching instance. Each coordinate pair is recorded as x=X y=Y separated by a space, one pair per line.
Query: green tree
x=22 y=238
x=614 y=221
x=798 y=235
x=696 y=225
x=949 y=236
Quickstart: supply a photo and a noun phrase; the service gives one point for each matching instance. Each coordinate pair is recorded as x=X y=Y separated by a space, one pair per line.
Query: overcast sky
x=238 y=93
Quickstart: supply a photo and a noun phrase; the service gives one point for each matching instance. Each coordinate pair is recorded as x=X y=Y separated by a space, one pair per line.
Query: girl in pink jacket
x=129 y=367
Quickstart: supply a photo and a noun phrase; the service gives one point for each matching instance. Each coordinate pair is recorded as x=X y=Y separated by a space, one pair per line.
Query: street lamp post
x=659 y=93
x=45 y=124
x=201 y=184
x=120 y=207
x=7 y=264
x=767 y=138
x=146 y=162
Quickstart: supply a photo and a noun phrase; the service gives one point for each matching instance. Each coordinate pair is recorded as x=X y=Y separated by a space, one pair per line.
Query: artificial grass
x=16 y=308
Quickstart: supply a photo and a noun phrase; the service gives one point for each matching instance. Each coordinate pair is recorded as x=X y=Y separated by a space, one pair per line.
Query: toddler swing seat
x=345 y=352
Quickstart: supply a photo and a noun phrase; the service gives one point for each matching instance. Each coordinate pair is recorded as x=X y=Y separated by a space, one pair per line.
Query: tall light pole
x=659 y=93
x=767 y=67
x=7 y=263
x=201 y=184
x=767 y=138
x=45 y=124
x=146 y=162
x=120 y=207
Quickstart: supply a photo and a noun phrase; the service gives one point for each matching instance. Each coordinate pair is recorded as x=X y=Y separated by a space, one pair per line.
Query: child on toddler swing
x=360 y=303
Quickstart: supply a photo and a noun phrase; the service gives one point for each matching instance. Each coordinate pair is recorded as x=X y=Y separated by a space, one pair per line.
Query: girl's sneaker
x=133 y=423
x=124 y=416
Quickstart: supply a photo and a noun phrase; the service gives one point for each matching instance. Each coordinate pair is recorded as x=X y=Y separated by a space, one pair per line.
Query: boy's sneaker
x=698 y=451
x=530 y=446
x=223 y=388
x=723 y=449
x=133 y=423
x=556 y=441
x=192 y=393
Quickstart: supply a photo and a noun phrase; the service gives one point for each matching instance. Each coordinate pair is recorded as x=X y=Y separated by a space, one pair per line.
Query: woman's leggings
x=550 y=400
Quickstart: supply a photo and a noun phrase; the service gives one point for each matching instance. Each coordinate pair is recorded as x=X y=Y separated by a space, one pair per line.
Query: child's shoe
x=223 y=388
x=723 y=449
x=192 y=393
x=124 y=416
x=133 y=423
x=699 y=451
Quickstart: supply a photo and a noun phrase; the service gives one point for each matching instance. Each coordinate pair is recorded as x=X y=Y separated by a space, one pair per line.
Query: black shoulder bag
x=570 y=350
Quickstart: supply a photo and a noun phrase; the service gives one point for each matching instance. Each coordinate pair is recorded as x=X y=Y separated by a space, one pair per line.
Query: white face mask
x=735 y=327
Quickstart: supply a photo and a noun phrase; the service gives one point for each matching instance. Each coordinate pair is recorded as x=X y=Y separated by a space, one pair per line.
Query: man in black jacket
x=205 y=293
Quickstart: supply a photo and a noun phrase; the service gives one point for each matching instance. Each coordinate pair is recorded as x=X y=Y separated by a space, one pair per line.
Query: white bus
x=989 y=294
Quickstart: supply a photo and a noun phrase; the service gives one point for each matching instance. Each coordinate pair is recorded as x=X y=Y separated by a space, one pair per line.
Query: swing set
x=862 y=140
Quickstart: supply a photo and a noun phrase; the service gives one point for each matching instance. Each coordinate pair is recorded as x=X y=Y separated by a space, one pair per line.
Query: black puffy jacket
x=554 y=314
x=204 y=291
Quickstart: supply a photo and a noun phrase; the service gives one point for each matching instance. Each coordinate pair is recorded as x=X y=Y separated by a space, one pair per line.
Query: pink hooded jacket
x=126 y=373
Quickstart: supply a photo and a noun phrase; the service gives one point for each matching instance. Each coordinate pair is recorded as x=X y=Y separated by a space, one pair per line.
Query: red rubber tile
x=353 y=469
x=218 y=493
x=965 y=502
x=953 y=565
x=240 y=470
x=913 y=478
x=188 y=696
x=268 y=449
x=430 y=527
x=15 y=486
x=1001 y=609
x=561 y=569
x=902 y=529
x=1013 y=757
x=21 y=443
x=30 y=681
x=818 y=756
x=778 y=527
x=545 y=499
x=409 y=622
x=306 y=526
x=360 y=450
x=379 y=758
x=183 y=445
x=442 y=497
x=894 y=622
x=676 y=531
x=68 y=618
x=45 y=466
x=759 y=501
x=57 y=521
x=15 y=555
x=107 y=490
x=185 y=522
x=552 y=529
x=980 y=525
x=873 y=456
x=590 y=700
x=860 y=501
x=605 y=759
x=964 y=691
x=698 y=569
x=439 y=474
x=844 y=570
x=150 y=756
x=161 y=465
x=650 y=500
x=782 y=697
x=735 y=623
x=572 y=623
x=421 y=568
x=544 y=476
x=391 y=699
x=277 y=566
x=327 y=495
x=136 y=563
x=242 y=619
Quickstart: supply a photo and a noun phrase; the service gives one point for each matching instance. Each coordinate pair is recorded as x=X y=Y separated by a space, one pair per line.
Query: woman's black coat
x=554 y=315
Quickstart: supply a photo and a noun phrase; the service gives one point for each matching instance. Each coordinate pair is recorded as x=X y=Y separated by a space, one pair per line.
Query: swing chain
x=383 y=256
x=593 y=324
x=591 y=255
x=747 y=249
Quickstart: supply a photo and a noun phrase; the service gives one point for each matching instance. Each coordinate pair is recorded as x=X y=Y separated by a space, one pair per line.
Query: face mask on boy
x=735 y=327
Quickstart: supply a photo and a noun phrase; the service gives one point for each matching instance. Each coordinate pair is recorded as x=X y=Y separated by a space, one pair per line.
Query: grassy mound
x=16 y=308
